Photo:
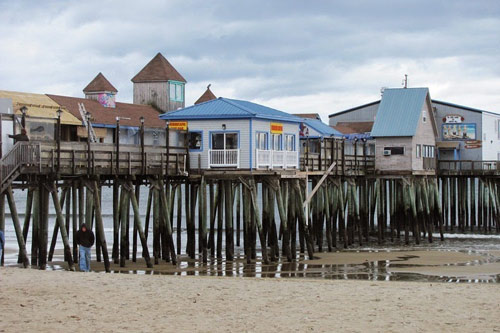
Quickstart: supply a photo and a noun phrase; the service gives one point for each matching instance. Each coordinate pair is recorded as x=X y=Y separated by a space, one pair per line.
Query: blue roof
x=321 y=127
x=225 y=108
x=399 y=112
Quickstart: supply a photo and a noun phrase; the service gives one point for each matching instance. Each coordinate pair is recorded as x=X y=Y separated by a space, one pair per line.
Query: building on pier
x=464 y=133
x=160 y=85
x=405 y=132
x=235 y=134
x=41 y=117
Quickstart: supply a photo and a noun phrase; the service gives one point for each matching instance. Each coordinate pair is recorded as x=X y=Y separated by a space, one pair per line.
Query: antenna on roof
x=382 y=91
x=405 y=81
x=208 y=87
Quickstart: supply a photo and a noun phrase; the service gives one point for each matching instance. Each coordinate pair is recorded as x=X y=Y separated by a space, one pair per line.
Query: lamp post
x=142 y=145
x=58 y=138
x=167 y=143
x=87 y=116
x=24 y=110
x=117 y=142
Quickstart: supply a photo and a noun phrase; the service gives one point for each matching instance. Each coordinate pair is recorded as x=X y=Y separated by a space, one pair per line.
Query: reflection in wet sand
x=458 y=260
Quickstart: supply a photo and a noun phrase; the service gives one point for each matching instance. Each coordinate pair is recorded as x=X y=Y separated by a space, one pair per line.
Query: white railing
x=224 y=158
x=263 y=158
x=276 y=159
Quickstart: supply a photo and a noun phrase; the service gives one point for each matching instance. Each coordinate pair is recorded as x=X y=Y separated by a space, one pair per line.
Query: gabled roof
x=399 y=112
x=158 y=70
x=107 y=116
x=208 y=95
x=225 y=108
x=320 y=127
x=308 y=115
x=98 y=84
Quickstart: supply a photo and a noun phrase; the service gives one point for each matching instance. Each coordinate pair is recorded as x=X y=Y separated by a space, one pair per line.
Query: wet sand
x=52 y=301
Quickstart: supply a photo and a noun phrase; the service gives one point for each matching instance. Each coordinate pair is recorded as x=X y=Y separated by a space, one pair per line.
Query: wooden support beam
x=17 y=227
x=138 y=224
x=60 y=224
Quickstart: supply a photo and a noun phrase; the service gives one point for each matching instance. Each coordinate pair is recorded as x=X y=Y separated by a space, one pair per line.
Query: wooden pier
x=352 y=205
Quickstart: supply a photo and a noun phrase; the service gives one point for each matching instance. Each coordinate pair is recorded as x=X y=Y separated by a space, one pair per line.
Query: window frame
x=210 y=138
x=391 y=149
x=201 y=141
x=176 y=84
x=280 y=142
x=294 y=145
x=266 y=139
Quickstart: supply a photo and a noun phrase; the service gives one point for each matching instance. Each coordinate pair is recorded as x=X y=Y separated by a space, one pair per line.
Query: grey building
x=463 y=133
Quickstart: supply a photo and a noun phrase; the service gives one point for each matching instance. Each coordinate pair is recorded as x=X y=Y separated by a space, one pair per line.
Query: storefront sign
x=453 y=119
x=178 y=125
x=459 y=131
x=473 y=144
x=276 y=128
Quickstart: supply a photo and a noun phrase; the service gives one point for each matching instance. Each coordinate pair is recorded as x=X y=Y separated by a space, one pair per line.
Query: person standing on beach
x=85 y=238
x=2 y=242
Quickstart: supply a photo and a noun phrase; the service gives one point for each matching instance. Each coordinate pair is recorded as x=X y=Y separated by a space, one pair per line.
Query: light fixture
x=24 y=109
x=167 y=123
x=224 y=127
x=59 y=112
x=142 y=119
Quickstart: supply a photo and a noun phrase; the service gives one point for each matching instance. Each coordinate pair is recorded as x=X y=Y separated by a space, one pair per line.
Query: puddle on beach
x=456 y=261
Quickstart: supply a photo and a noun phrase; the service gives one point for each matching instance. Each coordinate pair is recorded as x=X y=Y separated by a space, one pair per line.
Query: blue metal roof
x=321 y=127
x=225 y=108
x=399 y=112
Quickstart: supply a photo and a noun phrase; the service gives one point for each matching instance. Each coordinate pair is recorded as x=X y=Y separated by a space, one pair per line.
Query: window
x=396 y=150
x=156 y=138
x=225 y=140
x=276 y=141
x=195 y=140
x=419 y=151
x=428 y=151
x=289 y=142
x=498 y=129
x=261 y=140
x=424 y=116
x=176 y=91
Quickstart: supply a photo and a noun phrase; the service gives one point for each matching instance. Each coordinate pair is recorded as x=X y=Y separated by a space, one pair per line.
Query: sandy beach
x=54 y=301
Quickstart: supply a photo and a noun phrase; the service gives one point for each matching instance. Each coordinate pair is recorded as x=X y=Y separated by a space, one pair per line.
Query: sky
x=296 y=56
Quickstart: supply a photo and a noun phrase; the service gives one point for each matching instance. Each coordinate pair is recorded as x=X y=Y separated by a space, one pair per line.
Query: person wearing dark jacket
x=20 y=137
x=2 y=243
x=85 y=238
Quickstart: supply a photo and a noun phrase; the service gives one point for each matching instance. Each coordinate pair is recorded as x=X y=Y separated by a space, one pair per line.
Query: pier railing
x=468 y=167
x=22 y=154
x=225 y=158
x=276 y=159
x=103 y=158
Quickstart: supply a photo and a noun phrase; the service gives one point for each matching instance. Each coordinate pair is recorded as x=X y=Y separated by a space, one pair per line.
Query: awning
x=448 y=144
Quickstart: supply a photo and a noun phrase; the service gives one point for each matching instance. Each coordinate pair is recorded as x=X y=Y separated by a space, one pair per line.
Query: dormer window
x=176 y=91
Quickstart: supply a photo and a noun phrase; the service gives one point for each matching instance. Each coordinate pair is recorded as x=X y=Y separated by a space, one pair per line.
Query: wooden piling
x=17 y=227
x=60 y=223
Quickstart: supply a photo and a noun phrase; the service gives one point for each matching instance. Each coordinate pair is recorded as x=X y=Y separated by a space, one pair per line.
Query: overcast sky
x=296 y=56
